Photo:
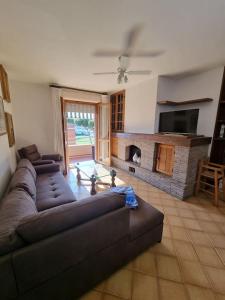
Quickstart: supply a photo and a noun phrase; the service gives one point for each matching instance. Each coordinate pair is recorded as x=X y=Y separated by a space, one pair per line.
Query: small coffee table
x=94 y=173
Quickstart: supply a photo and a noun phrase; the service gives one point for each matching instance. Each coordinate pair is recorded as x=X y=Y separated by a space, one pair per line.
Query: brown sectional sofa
x=54 y=247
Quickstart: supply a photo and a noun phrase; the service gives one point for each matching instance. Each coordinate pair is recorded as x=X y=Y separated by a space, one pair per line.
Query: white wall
x=32 y=115
x=7 y=156
x=203 y=85
x=140 y=107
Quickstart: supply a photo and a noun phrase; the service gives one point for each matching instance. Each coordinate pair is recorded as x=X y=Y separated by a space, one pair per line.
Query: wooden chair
x=208 y=178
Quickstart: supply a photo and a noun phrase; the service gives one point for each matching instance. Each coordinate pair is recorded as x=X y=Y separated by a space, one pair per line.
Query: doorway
x=86 y=132
x=80 y=131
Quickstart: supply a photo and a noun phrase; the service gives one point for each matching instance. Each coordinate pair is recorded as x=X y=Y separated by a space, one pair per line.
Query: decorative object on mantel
x=10 y=130
x=175 y=103
x=4 y=88
x=136 y=158
x=2 y=118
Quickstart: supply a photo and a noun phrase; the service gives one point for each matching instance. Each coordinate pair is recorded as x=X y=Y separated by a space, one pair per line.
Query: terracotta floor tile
x=168 y=268
x=217 y=277
x=92 y=295
x=192 y=250
x=222 y=227
x=220 y=297
x=175 y=221
x=119 y=284
x=170 y=211
x=191 y=224
x=193 y=273
x=145 y=263
x=144 y=287
x=185 y=250
x=208 y=256
x=166 y=231
x=186 y=213
x=169 y=202
x=165 y=247
x=209 y=226
x=110 y=297
x=172 y=290
x=218 y=240
x=179 y=233
x=155 y=200
x=221 y=253
x=199 y=238
x=198 y=293
x=200 y=215
x=218 y=217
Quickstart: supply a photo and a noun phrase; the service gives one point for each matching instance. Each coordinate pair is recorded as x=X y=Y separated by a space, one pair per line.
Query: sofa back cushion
x=25 y=163
x=13 y=208
x=31 y=153
x=23 y=179
x=64 y=217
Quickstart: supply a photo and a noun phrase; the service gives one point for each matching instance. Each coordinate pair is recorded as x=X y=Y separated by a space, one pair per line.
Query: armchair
x=31 y=153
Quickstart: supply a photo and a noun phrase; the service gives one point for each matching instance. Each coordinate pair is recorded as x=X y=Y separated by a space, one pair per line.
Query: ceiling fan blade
x=107 y=53
x=105 y=73
x=151 y=53
x=139 y=72
x=131 y=39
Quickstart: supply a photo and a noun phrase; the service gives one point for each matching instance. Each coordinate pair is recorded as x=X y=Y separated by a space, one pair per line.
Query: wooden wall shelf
x=176 y=103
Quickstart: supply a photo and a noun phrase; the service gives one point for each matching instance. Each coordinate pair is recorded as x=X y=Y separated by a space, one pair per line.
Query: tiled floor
x=189 y=263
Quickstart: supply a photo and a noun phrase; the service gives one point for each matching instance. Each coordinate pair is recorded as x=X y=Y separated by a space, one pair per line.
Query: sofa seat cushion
x=52 y=190
x=13 y=208
x=23 y=179
x=25 y=163
x=144 y=219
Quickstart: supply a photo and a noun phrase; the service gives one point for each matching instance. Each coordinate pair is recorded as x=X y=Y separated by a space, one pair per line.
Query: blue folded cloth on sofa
x=128 y=191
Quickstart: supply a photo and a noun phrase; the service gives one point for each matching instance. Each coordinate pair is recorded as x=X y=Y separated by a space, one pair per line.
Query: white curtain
x=57 y=121
x=104 y=129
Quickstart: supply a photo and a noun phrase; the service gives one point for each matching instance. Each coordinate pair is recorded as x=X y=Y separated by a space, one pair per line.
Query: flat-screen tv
x=181 y=121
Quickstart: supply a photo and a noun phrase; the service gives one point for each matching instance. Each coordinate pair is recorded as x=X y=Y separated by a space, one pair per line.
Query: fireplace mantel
x=169 y=162
x=170 y=139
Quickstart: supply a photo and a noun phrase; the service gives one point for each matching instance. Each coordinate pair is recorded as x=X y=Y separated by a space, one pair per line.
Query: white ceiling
x=48 y=41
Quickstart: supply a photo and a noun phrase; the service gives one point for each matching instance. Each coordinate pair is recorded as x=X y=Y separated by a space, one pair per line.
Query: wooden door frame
x=63 y=104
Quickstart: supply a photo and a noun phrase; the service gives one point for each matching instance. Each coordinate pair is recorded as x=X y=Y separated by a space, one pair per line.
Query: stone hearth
x=187 y=155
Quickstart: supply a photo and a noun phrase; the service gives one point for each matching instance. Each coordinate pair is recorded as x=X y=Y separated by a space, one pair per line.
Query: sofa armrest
x=42 y=162
x=55 y=157
x=49 y=168
x=64 y=217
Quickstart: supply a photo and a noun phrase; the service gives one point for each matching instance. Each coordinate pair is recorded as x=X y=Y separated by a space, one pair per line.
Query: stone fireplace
x=175 y=173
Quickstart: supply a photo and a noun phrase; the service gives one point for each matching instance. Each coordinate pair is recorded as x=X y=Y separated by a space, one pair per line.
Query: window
x=117 y=111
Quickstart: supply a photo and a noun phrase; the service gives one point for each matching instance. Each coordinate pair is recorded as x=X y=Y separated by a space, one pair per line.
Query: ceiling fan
x=125 y=54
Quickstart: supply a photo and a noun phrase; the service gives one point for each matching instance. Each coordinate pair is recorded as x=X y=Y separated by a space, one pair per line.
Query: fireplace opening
x=133 y=154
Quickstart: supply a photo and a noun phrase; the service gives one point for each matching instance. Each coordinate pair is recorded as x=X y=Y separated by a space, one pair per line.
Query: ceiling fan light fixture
x=125 y=79
x=119 y=79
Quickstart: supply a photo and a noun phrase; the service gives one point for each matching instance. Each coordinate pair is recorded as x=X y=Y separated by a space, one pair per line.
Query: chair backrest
x=213 y=167
x=30 y=152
